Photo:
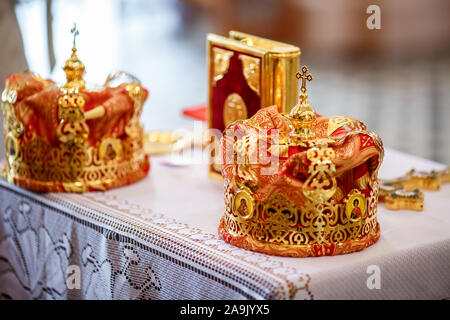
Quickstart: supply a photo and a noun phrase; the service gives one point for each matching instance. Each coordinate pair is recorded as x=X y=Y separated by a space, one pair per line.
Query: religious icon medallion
x=234 y=109
x=110 y=149
x=243 y=204
x=11 y=146
x=355 y=207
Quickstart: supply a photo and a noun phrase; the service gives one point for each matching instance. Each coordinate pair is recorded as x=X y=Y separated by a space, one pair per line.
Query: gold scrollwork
x=134 y=128
x=221 y=63
x=77 y=169
x=337 y=122
x=73 y=166
x=9 y=95
x=72 y=128
x=245 y=150
x=319 y=220
x=12 y=124
x=251 y=70
x=279 y=221
x=321 y=183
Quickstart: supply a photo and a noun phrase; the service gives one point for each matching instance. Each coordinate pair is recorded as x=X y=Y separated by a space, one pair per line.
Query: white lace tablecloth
x=157 y=239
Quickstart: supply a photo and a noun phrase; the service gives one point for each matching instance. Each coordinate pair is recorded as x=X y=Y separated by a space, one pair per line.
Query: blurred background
x=396 y=79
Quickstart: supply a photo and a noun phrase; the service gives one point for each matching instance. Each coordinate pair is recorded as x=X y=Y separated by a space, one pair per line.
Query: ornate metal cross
x=75 y=33
x=304 y=76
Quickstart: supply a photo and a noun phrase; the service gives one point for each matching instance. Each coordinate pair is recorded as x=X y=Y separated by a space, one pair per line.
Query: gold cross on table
x=75 y=33
x=304 y=76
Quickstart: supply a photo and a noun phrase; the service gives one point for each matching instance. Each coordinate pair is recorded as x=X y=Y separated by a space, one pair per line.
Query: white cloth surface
x=176 y=211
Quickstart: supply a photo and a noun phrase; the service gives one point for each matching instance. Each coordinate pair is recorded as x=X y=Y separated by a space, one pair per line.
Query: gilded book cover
x=247 y=73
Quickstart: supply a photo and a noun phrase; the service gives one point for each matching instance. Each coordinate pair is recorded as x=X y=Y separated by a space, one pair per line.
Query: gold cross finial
x=73 y=67
x=303 y=116
x=75 y=33
x=304 y=76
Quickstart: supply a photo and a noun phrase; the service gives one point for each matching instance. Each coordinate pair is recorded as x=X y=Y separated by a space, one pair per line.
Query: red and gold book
x=247 y=73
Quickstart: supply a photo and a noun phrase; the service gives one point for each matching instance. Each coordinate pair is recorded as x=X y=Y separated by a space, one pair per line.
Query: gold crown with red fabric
x=72 y=139
x=300 y=184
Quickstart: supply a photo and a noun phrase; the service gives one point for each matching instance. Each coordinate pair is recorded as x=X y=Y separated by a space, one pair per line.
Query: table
x=157 y=239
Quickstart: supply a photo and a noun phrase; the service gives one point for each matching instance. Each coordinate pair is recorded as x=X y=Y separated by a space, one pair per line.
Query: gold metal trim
x=221 y=63
x=251 y=70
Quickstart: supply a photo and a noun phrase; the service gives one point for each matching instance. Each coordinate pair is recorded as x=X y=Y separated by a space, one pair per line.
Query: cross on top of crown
x=304 y=76
x=75 y=33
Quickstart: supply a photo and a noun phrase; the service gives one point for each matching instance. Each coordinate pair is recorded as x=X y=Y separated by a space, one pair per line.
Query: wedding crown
x=72 y=139
x=321 y=199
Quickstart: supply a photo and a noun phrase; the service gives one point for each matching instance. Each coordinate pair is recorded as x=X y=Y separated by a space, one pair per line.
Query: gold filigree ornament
x=72 y=163
x=321 y=184
x=13 y=128
x=251 y=71
x=221 y=63
x=305 y=212
x=321 y=226
x=72 y=129
x=337 y=122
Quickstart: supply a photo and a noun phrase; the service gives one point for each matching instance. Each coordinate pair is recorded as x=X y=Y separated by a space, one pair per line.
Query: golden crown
x=72 y=139
x=323 y=200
